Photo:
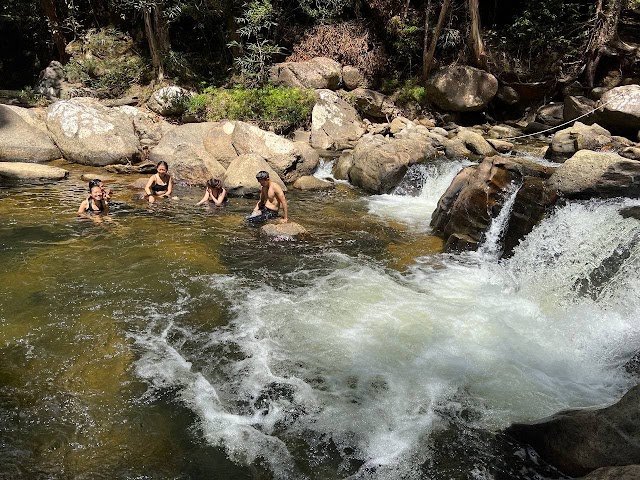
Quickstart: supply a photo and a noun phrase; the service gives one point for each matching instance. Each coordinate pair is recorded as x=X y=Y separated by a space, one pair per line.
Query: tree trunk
x=605 y=33
x=479 y=56
x=427 y=59
x=157 y=31
x=49 y=8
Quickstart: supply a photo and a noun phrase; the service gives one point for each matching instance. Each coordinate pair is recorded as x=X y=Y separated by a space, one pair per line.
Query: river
x=174 y=341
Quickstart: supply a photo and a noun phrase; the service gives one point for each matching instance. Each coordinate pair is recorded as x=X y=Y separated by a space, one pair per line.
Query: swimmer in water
x=214 y=193
x=159 y=185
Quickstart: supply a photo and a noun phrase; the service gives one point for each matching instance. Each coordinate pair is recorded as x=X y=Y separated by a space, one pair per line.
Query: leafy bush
x=279 y=109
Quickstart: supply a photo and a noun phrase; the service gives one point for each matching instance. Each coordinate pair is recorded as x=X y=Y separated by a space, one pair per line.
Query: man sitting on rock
x=271 y=198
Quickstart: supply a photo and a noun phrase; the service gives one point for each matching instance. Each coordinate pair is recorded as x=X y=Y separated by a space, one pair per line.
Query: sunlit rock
x=579 y=136
x=184 y=151
x=319 y=72
x=590 y=174
x=283 y=231
x=240 y=178
x=89 y=133
x=169 y=101
x=30 y=172
x=310 y=182
x=461 y=88
x=25 y=137
x=334 y=123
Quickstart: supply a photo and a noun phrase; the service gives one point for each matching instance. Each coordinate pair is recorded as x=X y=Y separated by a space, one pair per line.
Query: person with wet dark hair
x=214 y=193
x=271 y=199
x=95 y=203
x=106 y=192
x=159 y=184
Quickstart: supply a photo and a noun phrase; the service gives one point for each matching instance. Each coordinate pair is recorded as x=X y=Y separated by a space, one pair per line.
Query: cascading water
x=491 y=246
x=355 y=373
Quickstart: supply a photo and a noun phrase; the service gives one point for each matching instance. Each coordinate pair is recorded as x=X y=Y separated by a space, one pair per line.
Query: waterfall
x=491 y=248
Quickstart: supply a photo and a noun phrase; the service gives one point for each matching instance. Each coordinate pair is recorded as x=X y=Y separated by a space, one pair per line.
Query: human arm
x=283 y=201
x=84 y=206
x=261 y=201
x=169 y=188
x=219 y=200
x=149 y=184
x=205 y=198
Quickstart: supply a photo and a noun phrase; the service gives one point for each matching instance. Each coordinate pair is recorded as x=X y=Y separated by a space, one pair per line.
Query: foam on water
x=415 y=208
x=373 y=361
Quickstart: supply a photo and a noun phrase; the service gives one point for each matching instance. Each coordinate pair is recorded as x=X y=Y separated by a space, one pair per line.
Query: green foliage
x=324 y=10
x=407 y=38
x=257 y=49
x=559 y=22
x=278 y=109
x=410 y=93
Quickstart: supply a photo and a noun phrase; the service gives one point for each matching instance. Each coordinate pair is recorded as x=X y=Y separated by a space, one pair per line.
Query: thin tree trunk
x=49 y=8
x=605 y=33
x=479 y=55
x=428 y=58
x=157 y=32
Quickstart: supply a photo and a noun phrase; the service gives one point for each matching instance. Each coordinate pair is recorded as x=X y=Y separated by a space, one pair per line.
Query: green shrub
x=278 y=109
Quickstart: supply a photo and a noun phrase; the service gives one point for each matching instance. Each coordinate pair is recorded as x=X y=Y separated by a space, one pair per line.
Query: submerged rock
x=283 y=231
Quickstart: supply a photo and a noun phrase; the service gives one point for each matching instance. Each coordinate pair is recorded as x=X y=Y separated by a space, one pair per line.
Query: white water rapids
x=373 y=362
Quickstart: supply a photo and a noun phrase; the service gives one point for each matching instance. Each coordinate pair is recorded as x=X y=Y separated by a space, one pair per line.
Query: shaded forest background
x=199 y=43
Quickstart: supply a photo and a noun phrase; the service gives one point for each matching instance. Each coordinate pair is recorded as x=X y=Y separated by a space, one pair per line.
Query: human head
x=162 y=163
x=262 y=175
x=214 y=183
x=96 y=192
x=96 y=182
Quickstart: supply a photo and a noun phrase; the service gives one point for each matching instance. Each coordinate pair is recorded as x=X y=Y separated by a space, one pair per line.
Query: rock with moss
x=170 y=101
x=25 y=137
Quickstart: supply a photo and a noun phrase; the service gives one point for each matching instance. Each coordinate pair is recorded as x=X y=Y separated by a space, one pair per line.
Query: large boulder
x=373 y=104
x=579 y=106
x=352 y=77
x=334 y=123
x=183 y=149
x=89 y=133
x=580 y=441
x=461 y=88
x=148 y=126
x=551 y=114
x=219 y=142
x=240 y=178
x=579 y=136
x=590 y=174
x=477 y=195
x=290 y=160
x=379 y=163
x=169 y=101
x=474 y=142
x=30 y=172
x=319 y=72
x=50 y=80
x=628 y=472
x=25 y=137
x=620 y=109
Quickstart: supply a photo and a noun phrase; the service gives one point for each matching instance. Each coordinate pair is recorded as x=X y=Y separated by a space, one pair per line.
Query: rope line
x=562 y=124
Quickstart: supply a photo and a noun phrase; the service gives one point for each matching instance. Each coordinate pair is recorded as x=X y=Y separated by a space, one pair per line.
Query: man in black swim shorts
x=271 y=198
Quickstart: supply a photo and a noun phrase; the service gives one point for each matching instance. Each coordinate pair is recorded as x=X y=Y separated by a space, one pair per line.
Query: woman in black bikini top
x=160 y=184
x=95 y=203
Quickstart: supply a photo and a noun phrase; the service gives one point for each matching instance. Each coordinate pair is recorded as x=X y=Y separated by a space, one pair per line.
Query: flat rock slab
x=283 y=231
x=30 y=172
